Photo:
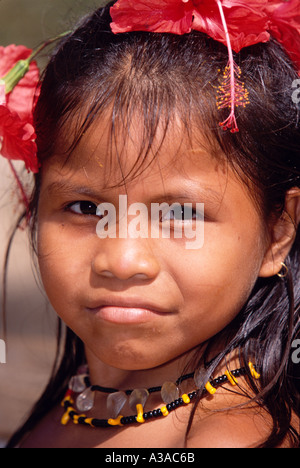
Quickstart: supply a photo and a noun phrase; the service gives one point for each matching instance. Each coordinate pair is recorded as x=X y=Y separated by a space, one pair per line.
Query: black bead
x=100 y=423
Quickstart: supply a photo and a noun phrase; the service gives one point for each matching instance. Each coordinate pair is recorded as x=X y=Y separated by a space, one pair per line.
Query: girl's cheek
x=54 y=254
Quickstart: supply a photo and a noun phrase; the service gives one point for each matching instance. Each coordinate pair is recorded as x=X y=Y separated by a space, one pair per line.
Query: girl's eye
x=86 y=208
x=182 y=214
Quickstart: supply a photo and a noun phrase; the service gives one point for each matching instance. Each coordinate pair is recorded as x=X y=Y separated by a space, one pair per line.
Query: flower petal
x=2 y=95
x=22 y=98
x=10 y=55
x=168 y=16
x=18 y=139
x=247 y=22
x=285 y=26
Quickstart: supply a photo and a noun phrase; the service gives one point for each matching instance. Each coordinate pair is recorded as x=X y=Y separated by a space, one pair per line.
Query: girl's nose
x=125 y=259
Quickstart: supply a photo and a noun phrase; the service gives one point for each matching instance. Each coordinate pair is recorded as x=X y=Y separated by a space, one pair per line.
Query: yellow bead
x=89 y=421
x=140 y=414
x=115 y=422
x=211 y=390
x=76 y=418
x=164 y=411
x=186 y=399
x=254 y=374
x=231 y=378
x=66 y=417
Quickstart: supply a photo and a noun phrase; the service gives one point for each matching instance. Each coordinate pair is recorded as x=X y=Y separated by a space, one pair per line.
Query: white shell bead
x=77 y=383
x=85 y=401
x=138 y=397
x=115 y=403
x=169 y=392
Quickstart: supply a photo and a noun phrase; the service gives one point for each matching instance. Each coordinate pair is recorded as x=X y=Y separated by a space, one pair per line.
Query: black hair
x=94 y=71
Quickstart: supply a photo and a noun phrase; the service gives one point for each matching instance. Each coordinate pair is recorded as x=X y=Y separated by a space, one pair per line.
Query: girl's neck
x=107 y=376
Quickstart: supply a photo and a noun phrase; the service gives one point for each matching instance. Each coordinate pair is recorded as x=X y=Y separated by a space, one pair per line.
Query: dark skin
x=198 y=292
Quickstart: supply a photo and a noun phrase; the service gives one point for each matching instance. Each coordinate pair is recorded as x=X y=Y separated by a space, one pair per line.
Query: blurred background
x=31 y=324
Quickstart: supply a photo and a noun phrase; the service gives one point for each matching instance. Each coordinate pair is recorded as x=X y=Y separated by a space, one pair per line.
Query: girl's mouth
x=125 y=315
x=127 y=311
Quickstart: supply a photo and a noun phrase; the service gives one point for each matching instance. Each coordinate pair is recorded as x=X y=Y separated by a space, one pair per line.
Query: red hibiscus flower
x=247 y=22
x=17 y=134
x=234 y=23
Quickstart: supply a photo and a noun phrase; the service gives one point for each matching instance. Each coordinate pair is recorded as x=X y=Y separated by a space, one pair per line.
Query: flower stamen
x=232 y=92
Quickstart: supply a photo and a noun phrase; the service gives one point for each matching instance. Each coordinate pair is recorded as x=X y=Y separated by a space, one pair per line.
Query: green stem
x=46 y=44
x=14 y=76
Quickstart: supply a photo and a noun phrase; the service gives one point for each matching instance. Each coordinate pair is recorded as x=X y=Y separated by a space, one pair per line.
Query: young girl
x=167 y=346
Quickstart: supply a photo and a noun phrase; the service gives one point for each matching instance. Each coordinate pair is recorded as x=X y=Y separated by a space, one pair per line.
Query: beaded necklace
x=138 y=398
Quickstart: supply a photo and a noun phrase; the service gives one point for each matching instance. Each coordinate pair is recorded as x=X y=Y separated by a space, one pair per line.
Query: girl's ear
x=282 y=236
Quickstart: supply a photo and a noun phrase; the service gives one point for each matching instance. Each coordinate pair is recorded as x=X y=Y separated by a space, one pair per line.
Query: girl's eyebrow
x=67 y=188
x=193 y=191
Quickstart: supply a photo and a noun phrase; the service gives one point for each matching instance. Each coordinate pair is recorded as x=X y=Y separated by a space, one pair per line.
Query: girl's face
x=138 y=303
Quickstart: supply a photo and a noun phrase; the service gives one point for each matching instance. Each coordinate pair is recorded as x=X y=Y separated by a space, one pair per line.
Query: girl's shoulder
x=233 y=420
x=232 y=428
